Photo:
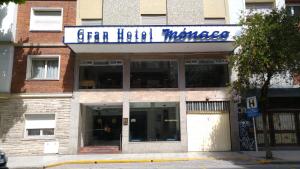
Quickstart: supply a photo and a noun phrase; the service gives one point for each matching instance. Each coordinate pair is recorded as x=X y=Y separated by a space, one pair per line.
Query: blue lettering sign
x=96 y=37
x=170 y=35
x=120 y=35
x=146 y=35
x=80 y=35
x=105 y=36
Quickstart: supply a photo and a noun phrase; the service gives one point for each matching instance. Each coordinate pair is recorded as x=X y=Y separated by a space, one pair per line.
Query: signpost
x=252 y=111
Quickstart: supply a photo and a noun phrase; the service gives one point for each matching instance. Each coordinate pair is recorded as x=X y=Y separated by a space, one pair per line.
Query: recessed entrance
x=101 y=129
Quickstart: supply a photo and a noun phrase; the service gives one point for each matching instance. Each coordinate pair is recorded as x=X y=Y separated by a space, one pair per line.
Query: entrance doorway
x=102 y=126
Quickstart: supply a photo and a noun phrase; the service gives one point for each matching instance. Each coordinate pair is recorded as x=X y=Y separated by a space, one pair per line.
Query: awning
x=147 y=39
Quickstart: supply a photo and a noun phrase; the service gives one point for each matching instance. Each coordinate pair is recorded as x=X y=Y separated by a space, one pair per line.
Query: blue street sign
x=252 y=108
x=254 y=112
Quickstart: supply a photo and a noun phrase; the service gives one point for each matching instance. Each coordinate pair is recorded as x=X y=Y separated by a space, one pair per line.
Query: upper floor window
x=214 y=11
x=153 y=74
x=46 y=19
x=101 y=74
x=153 y=12
x=259 y=7
x=90 y=22
x=39 y=125
x=294 y=9
x=206 y=73
x=43 y=67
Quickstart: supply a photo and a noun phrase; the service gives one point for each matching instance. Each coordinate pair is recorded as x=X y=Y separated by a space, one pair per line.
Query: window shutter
x=90 y=9
x=153 y=7
x=214 y=8
x=39 y=121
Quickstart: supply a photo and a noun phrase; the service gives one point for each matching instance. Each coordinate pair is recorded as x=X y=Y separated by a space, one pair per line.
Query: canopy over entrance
x=146 y=39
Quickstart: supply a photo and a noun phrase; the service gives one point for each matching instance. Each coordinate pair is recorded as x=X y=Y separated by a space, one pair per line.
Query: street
x=203 y=164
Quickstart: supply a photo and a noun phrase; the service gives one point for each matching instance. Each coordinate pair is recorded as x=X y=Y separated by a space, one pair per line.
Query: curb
x=135 y=161
x=277 y=162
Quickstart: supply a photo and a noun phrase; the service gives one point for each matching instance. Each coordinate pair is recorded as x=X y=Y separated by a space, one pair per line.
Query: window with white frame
x=261 y=7
x=39 y=125
x=43 y=68
x=46 y=19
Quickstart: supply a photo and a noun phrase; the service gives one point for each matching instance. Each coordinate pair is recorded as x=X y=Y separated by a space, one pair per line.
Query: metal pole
x=255 y=139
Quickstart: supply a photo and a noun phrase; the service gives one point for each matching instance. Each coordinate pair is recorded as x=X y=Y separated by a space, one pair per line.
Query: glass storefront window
x=156 y=121
x=206 y=73
x=153 y=74
x=99 y=74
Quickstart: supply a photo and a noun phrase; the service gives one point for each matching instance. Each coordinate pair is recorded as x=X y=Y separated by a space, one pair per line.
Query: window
x=153 y=12
x=39 y=125
x=91 y=22
x=101 y=74
x=214 y=9
x=43 y=68
x=153 y=74
x=294 y=9
x=208 y=107
x=156 y=7
x=206 y=73
x=154 y=122
x=259 y=7
x=46 y=19
x=153 y=19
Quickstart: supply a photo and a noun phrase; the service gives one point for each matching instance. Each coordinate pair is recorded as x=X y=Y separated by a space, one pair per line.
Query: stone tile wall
x=12 y=124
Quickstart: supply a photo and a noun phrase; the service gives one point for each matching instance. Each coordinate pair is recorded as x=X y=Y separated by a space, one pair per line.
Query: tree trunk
x=263 y=105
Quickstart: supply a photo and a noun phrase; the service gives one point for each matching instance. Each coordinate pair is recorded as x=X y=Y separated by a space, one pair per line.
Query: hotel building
x=130 y=76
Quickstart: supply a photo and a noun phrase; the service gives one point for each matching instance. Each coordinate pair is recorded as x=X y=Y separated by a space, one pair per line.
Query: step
x=100 y=149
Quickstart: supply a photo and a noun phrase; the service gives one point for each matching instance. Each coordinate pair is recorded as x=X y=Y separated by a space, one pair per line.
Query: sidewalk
x=291 y=156
x=48 y=161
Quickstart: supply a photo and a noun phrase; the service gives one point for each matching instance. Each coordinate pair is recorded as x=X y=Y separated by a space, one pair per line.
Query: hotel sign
x=149 y=34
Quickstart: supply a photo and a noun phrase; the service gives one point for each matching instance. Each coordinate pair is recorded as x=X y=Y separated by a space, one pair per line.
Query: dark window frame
x=175 y=85
x=190 y=82
x=154 y=134
x=94 y=80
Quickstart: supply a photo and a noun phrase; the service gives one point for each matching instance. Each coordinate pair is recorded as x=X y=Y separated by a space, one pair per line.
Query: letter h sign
x=251 y=102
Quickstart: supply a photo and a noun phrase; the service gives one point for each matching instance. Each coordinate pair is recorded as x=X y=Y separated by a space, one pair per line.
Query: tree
x=15 y=1
x=268 y=46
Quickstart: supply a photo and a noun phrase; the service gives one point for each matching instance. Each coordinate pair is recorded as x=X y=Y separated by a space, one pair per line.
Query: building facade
x=123 y=75
x=283 y=106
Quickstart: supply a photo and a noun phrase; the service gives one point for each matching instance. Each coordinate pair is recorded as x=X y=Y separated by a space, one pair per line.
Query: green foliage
x=15 y=1
x=269 y=45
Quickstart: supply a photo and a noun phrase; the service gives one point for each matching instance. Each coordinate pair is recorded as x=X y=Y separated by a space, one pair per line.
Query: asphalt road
x=211 y=164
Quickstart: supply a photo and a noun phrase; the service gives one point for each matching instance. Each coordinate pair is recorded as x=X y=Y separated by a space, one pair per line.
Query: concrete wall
x=185 y=12
x=235 y=8
x=121 y=12
x=6 y=64
x=8 y=15
x=8 y=22
x=12 y=124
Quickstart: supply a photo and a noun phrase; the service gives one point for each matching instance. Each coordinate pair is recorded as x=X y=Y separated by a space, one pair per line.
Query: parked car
x=3 y=159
